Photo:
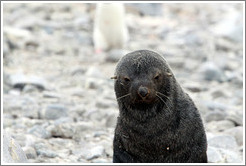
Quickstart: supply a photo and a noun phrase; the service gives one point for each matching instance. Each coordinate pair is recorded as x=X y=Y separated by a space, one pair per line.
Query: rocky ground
x=58 y=98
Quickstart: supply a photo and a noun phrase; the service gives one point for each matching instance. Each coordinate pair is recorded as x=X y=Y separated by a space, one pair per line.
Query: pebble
x=20 y=80
x=210 y=71
x=54 y=111
x=30 y=152
x=223 y=141
x=215 y=116
x=39 y=131
x=237 y=132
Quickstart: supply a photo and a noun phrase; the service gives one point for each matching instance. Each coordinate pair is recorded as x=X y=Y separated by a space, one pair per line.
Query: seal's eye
x=126 y=79
x=157 y=77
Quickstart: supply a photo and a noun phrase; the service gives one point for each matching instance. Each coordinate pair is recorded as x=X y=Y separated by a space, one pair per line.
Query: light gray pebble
x=237 y=132
x=223 y=141
x=210 y=71
x=214 y=155
x=54 y=111
x=215 y=116
x=95 y=152
x=218 y=126
x=39 y=131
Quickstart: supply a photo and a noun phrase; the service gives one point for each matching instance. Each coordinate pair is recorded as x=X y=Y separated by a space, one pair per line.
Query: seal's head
x=142 y=78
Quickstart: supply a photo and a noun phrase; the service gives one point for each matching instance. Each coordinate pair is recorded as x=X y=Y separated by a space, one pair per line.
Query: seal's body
x=158 y=122
x=110 y=30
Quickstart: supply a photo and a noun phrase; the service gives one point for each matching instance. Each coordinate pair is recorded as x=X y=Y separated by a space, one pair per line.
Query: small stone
x=236 y=116
x=151 y=9
x=230 y=156
x=219 y=125
x=30 y=152
x=30 y=88
x=237 y=132
x=39 y=131
x=55 y=111
x=215 y=116
x=223 y=141
x=20 y=80
x=47 y=153
x=95 y=152
x=214 y=155
x=65 y=130
x=210 y=71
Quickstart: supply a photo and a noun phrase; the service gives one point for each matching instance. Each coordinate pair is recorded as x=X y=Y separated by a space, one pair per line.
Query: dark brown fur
x=158 y=122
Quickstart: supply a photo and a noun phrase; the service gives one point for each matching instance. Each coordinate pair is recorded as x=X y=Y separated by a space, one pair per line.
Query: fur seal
x=158 y=122
x=110 y=29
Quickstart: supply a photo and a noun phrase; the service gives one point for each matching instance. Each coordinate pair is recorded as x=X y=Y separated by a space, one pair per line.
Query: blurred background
x=58 y=99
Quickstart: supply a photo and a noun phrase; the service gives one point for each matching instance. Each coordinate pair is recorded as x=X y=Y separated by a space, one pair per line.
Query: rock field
x=58 y=99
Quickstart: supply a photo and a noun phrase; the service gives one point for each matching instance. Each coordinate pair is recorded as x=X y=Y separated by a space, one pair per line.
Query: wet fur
x=156 y=132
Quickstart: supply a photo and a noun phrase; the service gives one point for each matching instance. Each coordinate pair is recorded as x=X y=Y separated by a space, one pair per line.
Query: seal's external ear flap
x=169 y=74
x=114 y=77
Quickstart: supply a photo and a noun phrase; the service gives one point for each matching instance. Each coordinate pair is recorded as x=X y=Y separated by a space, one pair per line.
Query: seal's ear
x=114 y=77
x=169 y=74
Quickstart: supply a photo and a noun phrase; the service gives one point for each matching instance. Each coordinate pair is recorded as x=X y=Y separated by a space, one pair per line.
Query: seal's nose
x=143 y=91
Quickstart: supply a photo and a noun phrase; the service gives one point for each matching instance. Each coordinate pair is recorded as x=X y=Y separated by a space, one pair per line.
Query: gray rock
x=47 y=153
x=230 y=156
x=215 y=116
x=20 y=80
x=214 y=156
x=152 y=9
x=218 y=126
x=95 y=152
x=223 y=141
x=210 y=71
x=81 y=128
x=39 y=131
x=236 y=116
x=65 y=130
x=237 y=132
x=213 y=105
x=12 y=152
x=55 y=111
x=29 y=88
x=30 y=152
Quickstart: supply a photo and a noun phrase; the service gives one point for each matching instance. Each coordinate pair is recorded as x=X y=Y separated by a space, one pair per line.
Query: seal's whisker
x=163 y=102
x=124 y=96
x=163 y=95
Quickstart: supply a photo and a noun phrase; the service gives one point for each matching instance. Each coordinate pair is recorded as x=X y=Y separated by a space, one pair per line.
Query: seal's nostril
x=143 y=91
